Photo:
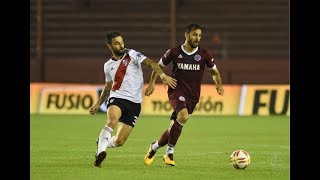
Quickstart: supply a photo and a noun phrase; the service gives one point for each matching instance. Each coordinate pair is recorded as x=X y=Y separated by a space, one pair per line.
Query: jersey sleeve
x=210 y=61
x=107 y=75
x=136 y=56
x=166 y=58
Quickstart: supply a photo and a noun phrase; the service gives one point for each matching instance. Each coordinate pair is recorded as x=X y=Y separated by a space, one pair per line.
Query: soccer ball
x=240 y=159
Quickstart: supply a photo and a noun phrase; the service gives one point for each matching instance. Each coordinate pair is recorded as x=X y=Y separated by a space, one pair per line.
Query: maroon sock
x=164 y=138
x=174 y=134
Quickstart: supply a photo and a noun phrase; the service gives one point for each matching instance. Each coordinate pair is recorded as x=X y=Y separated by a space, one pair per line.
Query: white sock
x=104 y=137
x=111 y=142
x=155 y=146
x=170 y=150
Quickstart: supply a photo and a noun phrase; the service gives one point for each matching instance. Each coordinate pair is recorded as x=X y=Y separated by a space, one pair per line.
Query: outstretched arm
x=103 y=97
x=157 y=71
x=217 y=80
x=150 y=88
x=154 y=76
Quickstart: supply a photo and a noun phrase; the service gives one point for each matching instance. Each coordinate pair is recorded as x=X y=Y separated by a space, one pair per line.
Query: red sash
x=121 y=71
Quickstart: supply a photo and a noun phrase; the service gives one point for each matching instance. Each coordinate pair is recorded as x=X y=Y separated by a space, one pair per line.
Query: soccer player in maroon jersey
x=189 y=62
x=123 y=93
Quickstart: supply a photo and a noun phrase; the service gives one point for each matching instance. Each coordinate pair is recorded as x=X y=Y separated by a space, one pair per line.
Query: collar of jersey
x=125 y=53
x=195 y=50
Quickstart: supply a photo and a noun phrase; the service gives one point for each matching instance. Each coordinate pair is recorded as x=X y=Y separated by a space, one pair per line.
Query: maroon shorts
x=179 y=100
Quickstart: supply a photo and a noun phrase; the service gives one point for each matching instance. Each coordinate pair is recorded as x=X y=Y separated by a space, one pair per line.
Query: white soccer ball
x=240 y=159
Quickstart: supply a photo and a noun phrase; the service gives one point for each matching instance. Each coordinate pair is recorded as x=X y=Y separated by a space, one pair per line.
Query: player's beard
x=193 y=44
x=119 y=52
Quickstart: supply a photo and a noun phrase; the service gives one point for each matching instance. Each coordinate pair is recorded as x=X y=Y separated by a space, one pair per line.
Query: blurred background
x=249 y=37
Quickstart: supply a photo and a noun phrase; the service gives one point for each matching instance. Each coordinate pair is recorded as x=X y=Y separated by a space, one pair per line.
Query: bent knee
x=113 y=120
x=183 y=116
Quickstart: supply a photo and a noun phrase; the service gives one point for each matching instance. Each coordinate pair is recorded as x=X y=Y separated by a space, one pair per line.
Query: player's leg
x=122 y=135
x=178 y=104
x=184 y=109
x=114 y=113
x=165 y=136
x=127 y=121
x=174 y=134
x=155 y=145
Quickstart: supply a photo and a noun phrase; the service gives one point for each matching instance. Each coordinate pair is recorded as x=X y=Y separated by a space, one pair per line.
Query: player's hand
x=220 y=90
x=149 y=90
x=167 y=80
x=93 y=109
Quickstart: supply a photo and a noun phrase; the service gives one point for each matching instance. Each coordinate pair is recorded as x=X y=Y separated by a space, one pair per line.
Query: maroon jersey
x=188 y=69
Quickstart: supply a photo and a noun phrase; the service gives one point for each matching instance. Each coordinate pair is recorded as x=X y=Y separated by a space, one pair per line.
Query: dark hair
x=111 y=35
x=192 y=26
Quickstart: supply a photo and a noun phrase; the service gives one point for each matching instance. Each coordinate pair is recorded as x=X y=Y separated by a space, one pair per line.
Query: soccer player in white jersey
x=123 y=92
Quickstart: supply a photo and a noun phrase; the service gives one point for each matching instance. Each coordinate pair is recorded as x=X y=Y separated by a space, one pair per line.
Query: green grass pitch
x=63 y=147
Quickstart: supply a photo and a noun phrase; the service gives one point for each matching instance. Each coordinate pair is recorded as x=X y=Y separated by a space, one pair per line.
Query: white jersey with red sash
x=127 y=76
